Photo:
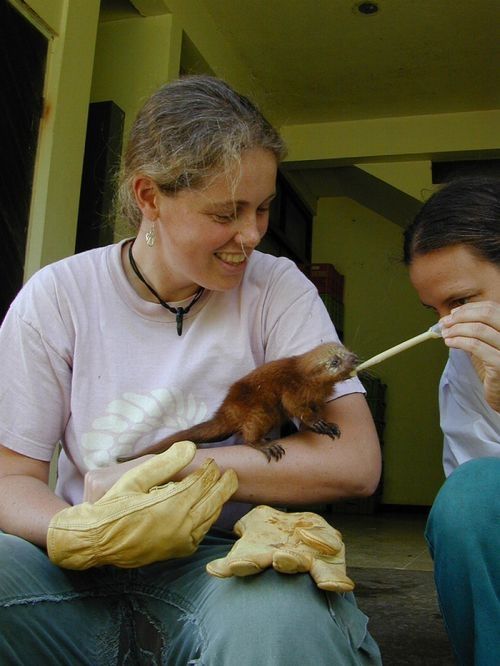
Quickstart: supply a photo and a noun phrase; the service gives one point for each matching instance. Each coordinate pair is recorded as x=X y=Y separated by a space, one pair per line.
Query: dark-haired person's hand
x=475 y=328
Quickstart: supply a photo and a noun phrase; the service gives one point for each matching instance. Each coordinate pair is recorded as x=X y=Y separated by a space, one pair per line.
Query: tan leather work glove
x=291 y=543
x=143 y=517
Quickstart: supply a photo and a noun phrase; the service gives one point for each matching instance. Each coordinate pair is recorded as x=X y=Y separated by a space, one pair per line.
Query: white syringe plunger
x=433 y=332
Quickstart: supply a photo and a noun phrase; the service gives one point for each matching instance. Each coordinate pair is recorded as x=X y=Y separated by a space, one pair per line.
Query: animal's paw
x=270 y=450
x=325 y=428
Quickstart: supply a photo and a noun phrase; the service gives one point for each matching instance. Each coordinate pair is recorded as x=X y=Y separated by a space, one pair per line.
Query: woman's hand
x=97 y=482
x=145 y=517
x=475 y=328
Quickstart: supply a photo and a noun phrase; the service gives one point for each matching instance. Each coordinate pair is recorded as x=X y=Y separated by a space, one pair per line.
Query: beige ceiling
x=321 y=60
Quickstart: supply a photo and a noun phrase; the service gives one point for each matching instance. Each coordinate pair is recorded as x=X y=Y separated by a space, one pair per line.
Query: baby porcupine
x=292 y=387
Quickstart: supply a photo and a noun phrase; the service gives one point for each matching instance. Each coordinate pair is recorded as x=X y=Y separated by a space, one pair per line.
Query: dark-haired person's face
x=452 y=276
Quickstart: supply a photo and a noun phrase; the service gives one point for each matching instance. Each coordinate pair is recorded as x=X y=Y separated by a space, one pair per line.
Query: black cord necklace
x=178 y=312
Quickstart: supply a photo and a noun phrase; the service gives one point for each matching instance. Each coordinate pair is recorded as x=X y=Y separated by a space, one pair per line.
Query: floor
x=388 y=540
x=388 y=560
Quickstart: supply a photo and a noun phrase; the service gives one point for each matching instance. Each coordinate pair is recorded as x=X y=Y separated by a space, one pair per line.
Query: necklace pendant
x=178 y=312
x=179 y=315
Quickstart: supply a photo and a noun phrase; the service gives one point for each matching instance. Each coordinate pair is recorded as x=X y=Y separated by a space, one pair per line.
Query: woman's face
x=206 y=235
x=452 y=276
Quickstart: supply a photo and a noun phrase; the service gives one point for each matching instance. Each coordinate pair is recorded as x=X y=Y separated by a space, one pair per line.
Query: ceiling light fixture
x=367 y=8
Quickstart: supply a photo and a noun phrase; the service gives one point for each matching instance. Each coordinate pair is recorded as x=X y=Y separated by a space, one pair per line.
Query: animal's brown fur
x=296 y=386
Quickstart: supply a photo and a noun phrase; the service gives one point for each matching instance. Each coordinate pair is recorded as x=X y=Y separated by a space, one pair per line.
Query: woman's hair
x=189 y=131
x=466 y=211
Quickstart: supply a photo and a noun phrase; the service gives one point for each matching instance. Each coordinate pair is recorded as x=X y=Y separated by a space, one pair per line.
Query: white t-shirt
x=471 y=427
x=87 y=362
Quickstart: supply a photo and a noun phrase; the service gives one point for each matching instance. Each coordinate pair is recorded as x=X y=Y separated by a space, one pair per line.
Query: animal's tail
x=206 y=432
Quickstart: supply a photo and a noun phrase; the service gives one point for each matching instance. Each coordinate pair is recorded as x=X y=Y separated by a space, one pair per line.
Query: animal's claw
x=325 y=428
x=275 y=451
x=271 y=451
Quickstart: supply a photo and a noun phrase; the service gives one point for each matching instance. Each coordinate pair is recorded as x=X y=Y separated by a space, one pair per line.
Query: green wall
x=132 y=59
x=148 y=50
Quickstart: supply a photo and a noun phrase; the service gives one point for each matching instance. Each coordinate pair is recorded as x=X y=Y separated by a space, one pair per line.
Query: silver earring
x=151 y=235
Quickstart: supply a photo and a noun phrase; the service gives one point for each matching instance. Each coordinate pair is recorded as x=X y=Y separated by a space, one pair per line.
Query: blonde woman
x=113 y=349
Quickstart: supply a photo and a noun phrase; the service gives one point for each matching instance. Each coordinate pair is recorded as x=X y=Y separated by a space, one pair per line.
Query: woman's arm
x=475 y=328
x=315 y=468
x=26 y=502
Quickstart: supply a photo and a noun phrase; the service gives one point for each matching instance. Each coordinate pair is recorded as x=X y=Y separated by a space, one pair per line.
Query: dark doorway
x=23 y=52
x=103 y=147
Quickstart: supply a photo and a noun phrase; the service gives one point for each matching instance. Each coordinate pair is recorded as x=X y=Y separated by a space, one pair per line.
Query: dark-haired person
x=452 y=250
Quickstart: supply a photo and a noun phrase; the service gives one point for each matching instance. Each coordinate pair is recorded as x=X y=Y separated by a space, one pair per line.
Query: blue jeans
x=463 y=533
x=171 y=613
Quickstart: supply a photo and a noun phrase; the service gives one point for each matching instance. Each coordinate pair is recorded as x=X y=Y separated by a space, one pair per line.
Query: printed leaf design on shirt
x=132 y=416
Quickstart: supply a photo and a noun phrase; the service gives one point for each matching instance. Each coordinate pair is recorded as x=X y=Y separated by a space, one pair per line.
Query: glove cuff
x=69 y=548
